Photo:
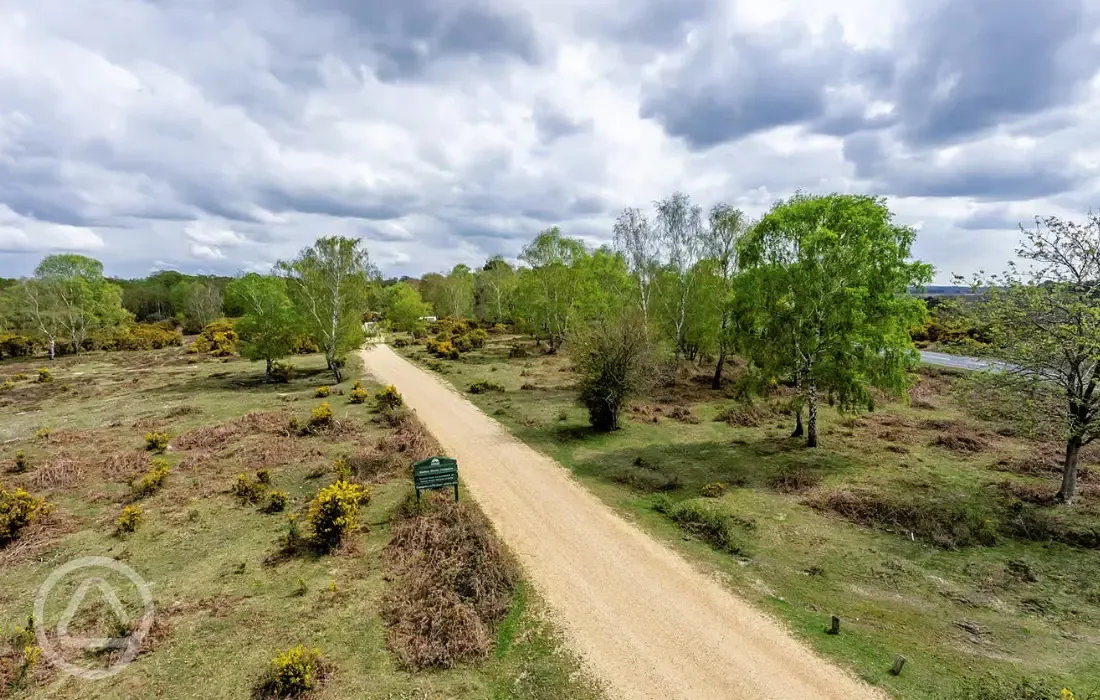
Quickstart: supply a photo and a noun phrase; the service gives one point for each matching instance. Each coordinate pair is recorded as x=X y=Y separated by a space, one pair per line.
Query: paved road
x=649 y=624
x=958 y=361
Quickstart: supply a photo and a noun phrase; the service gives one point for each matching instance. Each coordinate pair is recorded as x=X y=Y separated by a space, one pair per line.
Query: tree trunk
x=811 y=426
x=798 y=429
x=335 y=370
x=1069 y=471
x=716 y=383
x=267 y=372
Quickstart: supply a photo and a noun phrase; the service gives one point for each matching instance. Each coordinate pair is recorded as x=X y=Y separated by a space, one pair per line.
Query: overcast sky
x=222 y=135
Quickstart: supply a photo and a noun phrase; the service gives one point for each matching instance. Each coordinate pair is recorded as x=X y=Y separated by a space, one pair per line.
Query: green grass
x=223 y=611
x=897 y=593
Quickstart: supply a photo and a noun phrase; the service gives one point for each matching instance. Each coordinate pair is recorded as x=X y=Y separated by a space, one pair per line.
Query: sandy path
x=648 y=623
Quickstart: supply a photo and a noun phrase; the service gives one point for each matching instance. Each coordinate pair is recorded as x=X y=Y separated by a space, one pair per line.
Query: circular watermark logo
x=60 y=640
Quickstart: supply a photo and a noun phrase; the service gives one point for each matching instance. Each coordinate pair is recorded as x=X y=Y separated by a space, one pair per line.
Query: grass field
x=225 y=605
x=921 y=526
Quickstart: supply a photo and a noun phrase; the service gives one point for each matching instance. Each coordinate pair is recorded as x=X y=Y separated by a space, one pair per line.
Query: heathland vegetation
x=749 y=390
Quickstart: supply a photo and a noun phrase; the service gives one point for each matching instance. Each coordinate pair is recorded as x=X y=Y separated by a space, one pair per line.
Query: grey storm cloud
x=222 y=135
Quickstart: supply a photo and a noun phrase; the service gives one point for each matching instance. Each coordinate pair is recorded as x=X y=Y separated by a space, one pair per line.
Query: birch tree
x=727 y=226
x=69 y=298
x=679 y=226
x=640 y=244
x=824 y=298
x=549 y=291
x=329 y=283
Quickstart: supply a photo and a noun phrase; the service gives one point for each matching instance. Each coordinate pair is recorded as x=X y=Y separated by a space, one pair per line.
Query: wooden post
x=456 y=493
x=899 y=662
x=835 y=627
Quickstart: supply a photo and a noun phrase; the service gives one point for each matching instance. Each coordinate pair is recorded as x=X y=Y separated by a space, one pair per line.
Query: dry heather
x=215 y=437
x=454 y=584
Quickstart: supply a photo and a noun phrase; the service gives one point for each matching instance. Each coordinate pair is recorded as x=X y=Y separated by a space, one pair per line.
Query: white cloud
x=27 y=235
x=206 y=252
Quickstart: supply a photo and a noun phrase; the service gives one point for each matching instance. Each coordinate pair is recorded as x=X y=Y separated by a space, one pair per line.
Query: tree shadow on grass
x=236 y=381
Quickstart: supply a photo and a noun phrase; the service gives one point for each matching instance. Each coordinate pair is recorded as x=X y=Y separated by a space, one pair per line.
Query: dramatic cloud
x=224 y=135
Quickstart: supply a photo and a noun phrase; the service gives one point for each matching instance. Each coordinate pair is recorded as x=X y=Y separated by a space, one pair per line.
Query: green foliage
x=334 y=513
x=442 y=349
x=151 y=481
x=322 y=392
x=270 y=328
x=709 y=522
x=388 y=398
x=135 y=337
x=484 y=387
x=18 y=510
x=823 y=299
x=403 y=308
x=994 y=688
x=156 y=442
x=21 y=465
x=329 y=284
x=611 y=358
x=44 y=375
x=305 y=345
x=293 y=673
x=129 y=520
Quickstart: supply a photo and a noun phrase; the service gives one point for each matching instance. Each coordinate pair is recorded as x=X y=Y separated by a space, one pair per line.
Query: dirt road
x=648 y=623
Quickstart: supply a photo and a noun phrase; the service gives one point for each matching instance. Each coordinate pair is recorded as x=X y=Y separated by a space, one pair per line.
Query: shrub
x=151 y=481
x=944 y=522
x=264 y=476
x=217 y=338
x=322 y=392
x=442 y=349
x=276 y=502
x=18 y=510
x=21 y=464
x=128 y=520
x=8 y=385
x=42 y=433
x=359 y=395
x=713 y=490
x=484 y=387
x=141 y=336
x=44 y=375
x=646 y=480
x=20 y=377
x=388 y=398
x=156 y=442
x=248 y=490
x=321 y=416
x=710 y=523
x=281 y=373
x=335 y=512
x=477 y=338
x=305 y=345
x=462 y=343
x=517 y=351
x=16 y=345
x=400 y=342
x=795 y=479
x=745 y=415
x=342 y=469
x=610 y=359
x=436 y=366
x=1001 y=688
x=293 y=673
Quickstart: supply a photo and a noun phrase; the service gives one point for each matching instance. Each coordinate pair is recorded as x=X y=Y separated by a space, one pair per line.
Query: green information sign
x=435 y=473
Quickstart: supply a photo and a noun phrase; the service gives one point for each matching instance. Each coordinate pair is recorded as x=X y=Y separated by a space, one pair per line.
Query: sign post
x=435 y=473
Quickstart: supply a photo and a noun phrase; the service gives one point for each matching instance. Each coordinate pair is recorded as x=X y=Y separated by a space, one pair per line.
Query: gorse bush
x=217 y=338
x=16 y=345
x=263 y=476
x=293 y=673
x=334 y=513
x=713 y=490
x=321 y=416
x=322 y=392
x=129 y=520
x=44 y=376
x=248 y=490
x=141 y=336
x=151 y=481
x=359 y=395
x=306 y=345
x=388 y=398
x=443 y=349
x=156 y=442
x=18 y=510
x=21 y=464
x=709 y=522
